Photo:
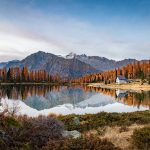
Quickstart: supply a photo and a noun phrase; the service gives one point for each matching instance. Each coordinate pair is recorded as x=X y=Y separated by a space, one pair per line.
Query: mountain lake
x=33 y=100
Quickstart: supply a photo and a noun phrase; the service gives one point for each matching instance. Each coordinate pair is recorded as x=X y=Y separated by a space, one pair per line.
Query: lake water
x=43 y=100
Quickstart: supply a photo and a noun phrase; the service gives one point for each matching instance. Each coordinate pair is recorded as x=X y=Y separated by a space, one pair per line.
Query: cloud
x=9 y=29
x=29 y=29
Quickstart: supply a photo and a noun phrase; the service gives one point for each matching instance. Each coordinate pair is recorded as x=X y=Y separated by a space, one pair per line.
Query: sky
x=116 y=29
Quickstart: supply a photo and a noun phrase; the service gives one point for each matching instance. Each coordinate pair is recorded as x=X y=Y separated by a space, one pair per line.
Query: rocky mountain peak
x=71 y=55
x=72 y=65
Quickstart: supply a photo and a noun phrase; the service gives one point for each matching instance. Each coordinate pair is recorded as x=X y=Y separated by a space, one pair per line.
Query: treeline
x=138 y=70
x=16 y=74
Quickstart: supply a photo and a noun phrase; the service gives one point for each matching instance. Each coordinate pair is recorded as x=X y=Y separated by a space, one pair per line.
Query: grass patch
x=94 y=121
x=82 y=143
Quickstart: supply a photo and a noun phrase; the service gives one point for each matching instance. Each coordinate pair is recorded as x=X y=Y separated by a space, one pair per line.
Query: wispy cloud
x=27 y=29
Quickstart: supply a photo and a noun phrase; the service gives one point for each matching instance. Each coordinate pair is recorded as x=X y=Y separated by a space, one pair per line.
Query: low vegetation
x=141 y=138
x=94 y=121
x=46 y=132
x=27 y=133
x=82 y=143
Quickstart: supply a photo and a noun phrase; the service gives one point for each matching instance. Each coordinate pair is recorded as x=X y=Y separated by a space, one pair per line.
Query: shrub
x=7 y=123
x=31 y=132
x=141 y=138
x=11 y=121
x=3 y=145
x=82 y=143
x=6 y=141
x=38 y=131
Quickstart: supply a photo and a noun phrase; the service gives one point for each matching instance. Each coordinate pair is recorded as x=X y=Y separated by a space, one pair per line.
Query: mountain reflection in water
x=73 y=97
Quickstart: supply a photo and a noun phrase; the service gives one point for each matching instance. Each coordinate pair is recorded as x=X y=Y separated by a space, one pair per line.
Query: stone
x=73 y=134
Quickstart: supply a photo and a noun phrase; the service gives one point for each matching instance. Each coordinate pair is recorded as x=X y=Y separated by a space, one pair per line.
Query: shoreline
x=33 y=83
x=129 y=86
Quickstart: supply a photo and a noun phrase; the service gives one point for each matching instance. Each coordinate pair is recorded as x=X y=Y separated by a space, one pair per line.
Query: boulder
x=72 y=134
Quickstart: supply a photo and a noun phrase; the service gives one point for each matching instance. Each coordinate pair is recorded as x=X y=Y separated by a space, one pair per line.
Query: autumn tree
x=25 y=74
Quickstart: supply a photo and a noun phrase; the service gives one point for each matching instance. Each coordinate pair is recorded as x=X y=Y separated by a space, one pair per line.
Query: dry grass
x=120 y=138
x=135 y=86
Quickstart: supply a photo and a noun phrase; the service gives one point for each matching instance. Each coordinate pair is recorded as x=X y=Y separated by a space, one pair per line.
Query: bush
x=6 y=141
x=38 y=131
x=3 y=144
x=10 y=121
x=7 y=122
x=82 y=143
x=32 y=132
x=141 y=138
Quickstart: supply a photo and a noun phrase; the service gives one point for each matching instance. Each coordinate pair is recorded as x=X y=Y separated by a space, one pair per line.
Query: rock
x=73 y=134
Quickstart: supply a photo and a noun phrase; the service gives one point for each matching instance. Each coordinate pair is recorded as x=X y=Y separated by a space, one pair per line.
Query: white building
x=121 y=79
x=121 y=93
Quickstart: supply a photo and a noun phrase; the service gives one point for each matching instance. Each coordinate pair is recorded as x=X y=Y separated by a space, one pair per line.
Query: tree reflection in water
x=75 y=94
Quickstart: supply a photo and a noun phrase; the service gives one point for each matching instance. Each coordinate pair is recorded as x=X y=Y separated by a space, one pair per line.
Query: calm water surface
x=43 y=100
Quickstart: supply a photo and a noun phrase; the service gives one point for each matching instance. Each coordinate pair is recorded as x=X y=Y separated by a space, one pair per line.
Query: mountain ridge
x=54 y=64
x=71 y=65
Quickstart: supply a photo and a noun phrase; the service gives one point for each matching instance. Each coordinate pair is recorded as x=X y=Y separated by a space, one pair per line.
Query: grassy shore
x=102 y=131
x=134 y=86
x=102 y=119
x=117 y=128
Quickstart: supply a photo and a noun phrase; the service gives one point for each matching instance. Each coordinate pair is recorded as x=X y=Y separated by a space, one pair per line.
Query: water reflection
x=97 y=99
x=121 y=93
x=127 y=97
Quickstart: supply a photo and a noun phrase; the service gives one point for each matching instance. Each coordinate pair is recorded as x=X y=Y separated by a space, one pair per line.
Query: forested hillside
x=139 y=70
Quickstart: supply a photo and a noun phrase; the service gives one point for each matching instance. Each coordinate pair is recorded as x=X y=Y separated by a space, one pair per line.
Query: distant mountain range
x=72 y=65
x=100 y=63
x=53 y=64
